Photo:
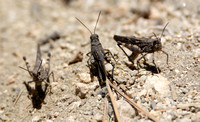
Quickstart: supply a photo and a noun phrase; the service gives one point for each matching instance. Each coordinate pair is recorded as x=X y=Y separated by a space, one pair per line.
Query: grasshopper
x=39 y=75
x=140 y=46
x=97 y=56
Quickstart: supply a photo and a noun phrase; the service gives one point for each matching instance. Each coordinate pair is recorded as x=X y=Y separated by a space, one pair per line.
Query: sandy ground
x=175 y=90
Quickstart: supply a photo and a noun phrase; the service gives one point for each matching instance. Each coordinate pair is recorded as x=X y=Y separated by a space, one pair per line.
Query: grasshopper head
x=157 y=45
x=94 y=38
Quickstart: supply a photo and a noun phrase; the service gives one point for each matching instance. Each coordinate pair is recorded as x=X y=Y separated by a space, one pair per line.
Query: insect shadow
x=97 y=56
x=40 y=75
x=141 y=46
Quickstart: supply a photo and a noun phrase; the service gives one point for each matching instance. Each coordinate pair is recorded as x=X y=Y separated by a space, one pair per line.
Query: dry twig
x=112 y=100
x=133 y=103
x=105 y=110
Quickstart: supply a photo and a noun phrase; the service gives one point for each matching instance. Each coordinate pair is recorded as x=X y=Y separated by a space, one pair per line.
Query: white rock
x=176 y=71
x=70 y=119
x=126 y=111
x=81 y=89
x=56 y=114
x=196 y=54
x=179 y=46
x=158 y=83
x=109 y=67
x=1 y=111
x=84 y=77
x=98 y=116
x=36 y=119
x=142 y=93
x=48 y=120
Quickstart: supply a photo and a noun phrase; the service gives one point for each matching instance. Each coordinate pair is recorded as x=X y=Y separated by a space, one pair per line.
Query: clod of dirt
x=53 y=36
x=144 y=12
x=77 y=58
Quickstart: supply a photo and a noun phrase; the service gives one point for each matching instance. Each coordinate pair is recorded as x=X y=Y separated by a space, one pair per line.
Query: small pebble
x=153 y=105
x=36 y=119
x=125 y=109
x=84 y=77
x=98 y=116
x=109 y=67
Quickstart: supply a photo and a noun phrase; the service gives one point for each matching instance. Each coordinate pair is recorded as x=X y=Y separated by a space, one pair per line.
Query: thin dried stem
x=133 y=103
x=113 y=100
x=105 y=110
x=19 y=95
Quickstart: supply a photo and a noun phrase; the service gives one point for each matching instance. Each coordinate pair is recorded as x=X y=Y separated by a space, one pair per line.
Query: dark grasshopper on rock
x=97 y=56
x=40 y=75
x=140 y=46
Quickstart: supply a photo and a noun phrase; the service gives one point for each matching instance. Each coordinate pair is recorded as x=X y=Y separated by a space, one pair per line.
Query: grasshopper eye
x=154 y=42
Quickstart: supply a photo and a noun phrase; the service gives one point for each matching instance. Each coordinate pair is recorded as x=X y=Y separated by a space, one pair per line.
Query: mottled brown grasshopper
x=140 y=46
x=97 y=56
x=40 y=74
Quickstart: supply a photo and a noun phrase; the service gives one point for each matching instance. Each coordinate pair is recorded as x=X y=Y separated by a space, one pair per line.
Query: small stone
x=63 y=87
x=155 y=13
x=109 y=67
x=98 y=116
x=196 y=54
x=142 y=93
x=159 y=84
x=1 y=111
x=130 y=93
x=70 y=119
x=81 y=90
x=116 y=72
x=84 y=77
x=62 y=77
x=67 y=46
x=155 y=113
x=65 y=66
x=56 y=114
x=126 y=111
x=48 y=120
x=178 y=46
x=176 y=71
x=36 y=119
x=153 y=105
x=142 y=78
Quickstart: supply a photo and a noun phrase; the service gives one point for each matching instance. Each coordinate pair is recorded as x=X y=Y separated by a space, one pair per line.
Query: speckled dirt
x=23 y=23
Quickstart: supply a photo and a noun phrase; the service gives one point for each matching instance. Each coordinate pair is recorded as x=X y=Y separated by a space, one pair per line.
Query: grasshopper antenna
x=155 y=36
x=23 y=68
x=97 y=21
x=84 y=25
x=164 y=30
